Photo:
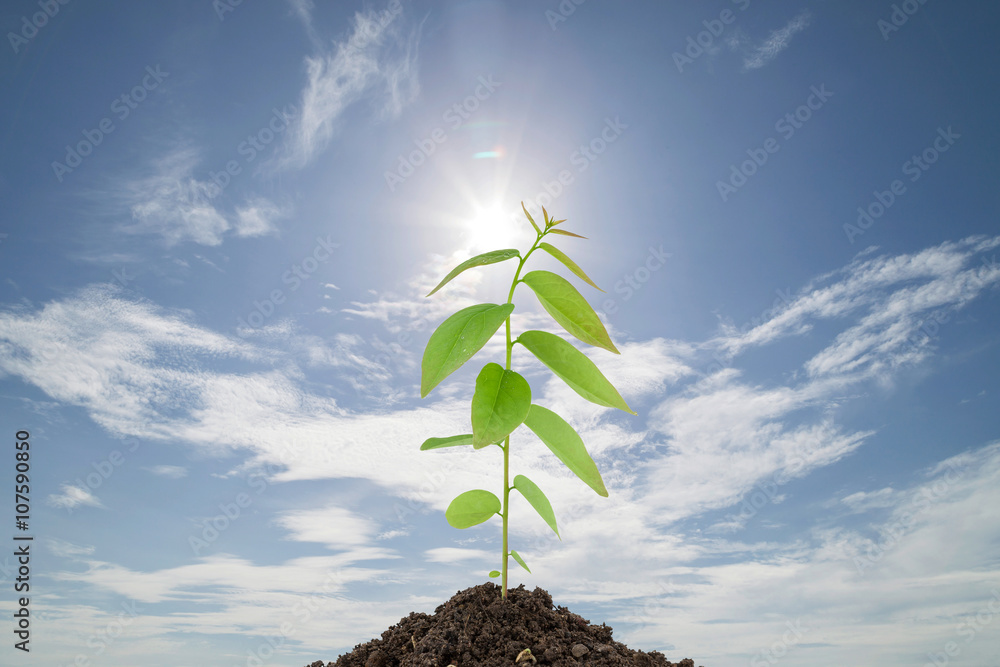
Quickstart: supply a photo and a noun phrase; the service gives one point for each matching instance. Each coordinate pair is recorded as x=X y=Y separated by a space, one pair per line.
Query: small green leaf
x=565 y=233
x=534 y=495
x=499 y=405
x=491 y=257
x=568 y=307
x=570 y=264
x=574 y=368
x=520 y=561
x=530 y=219
x=494 y=573
x=450 y=441
x=457 y=339
x=566 y=444
x=471 y=508
x=553 y=223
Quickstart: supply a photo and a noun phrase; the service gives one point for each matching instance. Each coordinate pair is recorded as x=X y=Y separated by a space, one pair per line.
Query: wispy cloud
x=170 y=202
x=73 y=496
x=377 y=61
x=757 y=56
x=171 y=472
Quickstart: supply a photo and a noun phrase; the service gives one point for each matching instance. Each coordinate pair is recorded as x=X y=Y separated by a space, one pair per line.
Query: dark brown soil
x=477 y=628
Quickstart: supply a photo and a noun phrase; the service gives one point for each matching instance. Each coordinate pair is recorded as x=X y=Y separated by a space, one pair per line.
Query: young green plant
x=502 y=398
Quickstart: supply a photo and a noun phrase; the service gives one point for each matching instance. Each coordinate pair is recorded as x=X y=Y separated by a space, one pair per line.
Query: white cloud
x=257 y=218
x=73 y=496
x=333 y=526
x=171 y=472
x=170 y=202
x=775 y=43
x=376 y=59
x=66 y=549
x=453 y=555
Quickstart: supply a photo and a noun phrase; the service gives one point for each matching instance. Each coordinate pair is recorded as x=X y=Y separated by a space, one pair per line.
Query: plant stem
x=506 y=444
x=506 y=508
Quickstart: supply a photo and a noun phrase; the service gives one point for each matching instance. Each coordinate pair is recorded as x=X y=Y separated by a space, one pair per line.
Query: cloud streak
x=376 y=61
x=776 y=42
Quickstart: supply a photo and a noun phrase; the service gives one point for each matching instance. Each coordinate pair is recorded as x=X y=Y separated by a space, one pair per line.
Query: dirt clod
x=476 y=628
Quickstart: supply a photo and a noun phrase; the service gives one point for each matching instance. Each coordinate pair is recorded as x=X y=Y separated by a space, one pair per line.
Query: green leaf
x=471 y=508
x=450 y=441
x=491 y=257
x=570 y=264
x=499 y=405
x=534 y=495
x=494 y=573
x=566 y=444
x=457 y=339
x=564 y=232
x=530 y=219
x=519 y=560
x=574 y=367
x=569 y=308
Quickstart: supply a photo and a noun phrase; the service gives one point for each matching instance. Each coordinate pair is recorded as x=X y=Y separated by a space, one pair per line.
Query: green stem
x=506 y=447
x=506 y=508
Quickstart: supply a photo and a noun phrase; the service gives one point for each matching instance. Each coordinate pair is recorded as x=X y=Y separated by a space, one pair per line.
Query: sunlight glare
x=492 y=229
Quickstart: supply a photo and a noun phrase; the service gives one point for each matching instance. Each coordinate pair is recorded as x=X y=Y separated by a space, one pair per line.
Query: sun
x=492 y=228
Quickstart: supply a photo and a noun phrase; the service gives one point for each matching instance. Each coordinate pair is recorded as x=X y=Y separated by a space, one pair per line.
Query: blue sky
x=218 y=224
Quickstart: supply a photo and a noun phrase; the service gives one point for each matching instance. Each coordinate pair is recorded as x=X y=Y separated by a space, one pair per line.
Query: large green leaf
x=491 y=257
x=520 y=560
x=570 y=264
x=534 y=495
x=471 y=508
x=566 y=444
x=499 y=405
x=573 y=366
x=450 y=441
x=569 y=308
x=457 y=339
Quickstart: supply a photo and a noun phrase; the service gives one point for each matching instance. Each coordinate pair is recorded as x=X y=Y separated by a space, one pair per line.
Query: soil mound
x=475 y=628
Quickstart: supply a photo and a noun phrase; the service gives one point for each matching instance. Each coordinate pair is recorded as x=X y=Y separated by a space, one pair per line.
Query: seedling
x=502 y=398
